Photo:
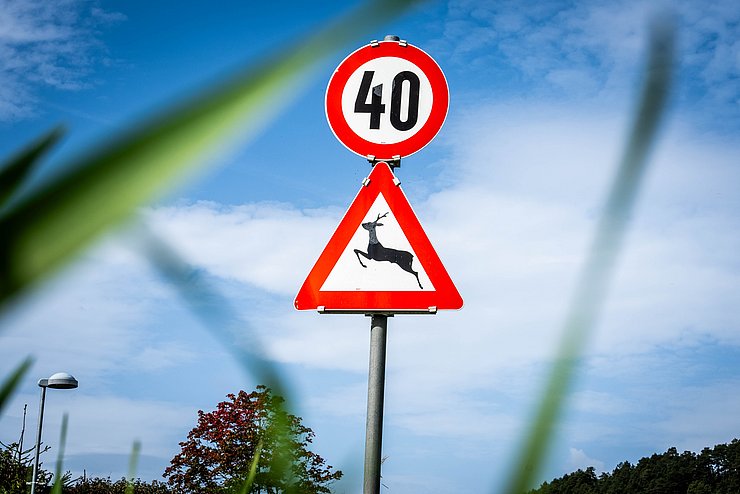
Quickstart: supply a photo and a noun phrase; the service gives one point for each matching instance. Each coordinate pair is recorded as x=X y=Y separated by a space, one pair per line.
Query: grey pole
x=375 y=396
x=43 y=384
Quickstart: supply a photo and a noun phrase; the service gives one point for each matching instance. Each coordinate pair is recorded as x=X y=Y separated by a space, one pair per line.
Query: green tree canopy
x=713 y=471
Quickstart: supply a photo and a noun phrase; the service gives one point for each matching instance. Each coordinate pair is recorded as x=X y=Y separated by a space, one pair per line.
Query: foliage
x=16 y=468
x=219 y=452
x=13 y=473
x=713 y=471
x=99 y=485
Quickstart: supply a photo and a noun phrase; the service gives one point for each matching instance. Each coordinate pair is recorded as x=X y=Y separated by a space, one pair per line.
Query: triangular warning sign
x=379 y=258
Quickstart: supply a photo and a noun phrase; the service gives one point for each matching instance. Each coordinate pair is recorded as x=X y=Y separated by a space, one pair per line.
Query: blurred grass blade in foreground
x=590 y=292
x=219 y=316
x=13 y=380
x=14 y=171
x=247 y=486
x=212 y=308
x=58 y=478
x=53 y=223
x=133 y=463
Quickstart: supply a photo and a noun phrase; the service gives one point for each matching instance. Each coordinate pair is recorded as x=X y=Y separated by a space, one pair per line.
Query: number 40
x=376 y=107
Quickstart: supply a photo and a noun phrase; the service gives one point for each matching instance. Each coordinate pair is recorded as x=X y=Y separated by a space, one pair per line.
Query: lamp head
x=60 y=380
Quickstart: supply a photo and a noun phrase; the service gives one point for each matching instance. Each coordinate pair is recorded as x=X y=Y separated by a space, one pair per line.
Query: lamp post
x=60 y=380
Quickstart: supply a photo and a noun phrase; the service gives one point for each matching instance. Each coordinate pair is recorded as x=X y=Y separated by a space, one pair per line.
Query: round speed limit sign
x=387 y=100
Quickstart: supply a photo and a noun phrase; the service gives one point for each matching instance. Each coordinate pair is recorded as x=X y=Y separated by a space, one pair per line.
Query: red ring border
x=407 y=147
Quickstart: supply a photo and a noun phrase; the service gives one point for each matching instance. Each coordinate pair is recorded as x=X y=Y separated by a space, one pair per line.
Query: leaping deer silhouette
x=376 y=251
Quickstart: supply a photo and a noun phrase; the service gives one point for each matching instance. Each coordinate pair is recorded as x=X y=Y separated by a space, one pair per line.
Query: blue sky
x=509 y=192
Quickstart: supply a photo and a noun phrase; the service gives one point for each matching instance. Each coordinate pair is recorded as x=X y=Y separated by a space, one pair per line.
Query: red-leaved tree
x=219 y=452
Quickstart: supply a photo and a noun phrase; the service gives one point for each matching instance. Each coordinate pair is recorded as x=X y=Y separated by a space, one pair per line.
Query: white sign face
x=349 y=274
x=386 y=100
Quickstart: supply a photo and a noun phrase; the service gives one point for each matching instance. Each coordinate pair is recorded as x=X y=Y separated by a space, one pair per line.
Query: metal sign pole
x=375 y=396
x=369 y=131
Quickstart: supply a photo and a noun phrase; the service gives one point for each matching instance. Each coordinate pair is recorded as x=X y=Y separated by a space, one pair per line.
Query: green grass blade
x=13 y=381
x=58 y=483
x=133 y=464
x=15 y=170
x=252 y=470
x=590 y=292
x=51 y=225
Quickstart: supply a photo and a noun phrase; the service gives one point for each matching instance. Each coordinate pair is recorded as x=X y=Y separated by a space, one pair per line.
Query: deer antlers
x=380 y=217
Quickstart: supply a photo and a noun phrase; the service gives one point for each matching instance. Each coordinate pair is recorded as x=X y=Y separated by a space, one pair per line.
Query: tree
x=13 y=473
x=16 y=469
x=579 y=482
x=219 y=452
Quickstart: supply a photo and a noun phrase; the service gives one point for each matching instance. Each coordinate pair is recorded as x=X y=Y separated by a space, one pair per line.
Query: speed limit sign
x=387 y=100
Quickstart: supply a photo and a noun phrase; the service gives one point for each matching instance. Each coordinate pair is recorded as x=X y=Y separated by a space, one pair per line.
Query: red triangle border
x=445 y=296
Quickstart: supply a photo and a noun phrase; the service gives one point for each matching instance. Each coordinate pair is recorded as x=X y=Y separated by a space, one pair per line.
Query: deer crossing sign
x=379 y=259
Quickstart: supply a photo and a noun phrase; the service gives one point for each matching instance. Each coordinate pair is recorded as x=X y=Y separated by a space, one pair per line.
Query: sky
x=509 y=192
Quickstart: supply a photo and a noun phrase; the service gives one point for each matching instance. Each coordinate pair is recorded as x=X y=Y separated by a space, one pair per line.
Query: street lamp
x=60 y=380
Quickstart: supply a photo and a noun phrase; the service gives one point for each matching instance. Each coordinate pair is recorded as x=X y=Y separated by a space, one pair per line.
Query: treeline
x=713 y=471
x=97 y=485
x=16 y=470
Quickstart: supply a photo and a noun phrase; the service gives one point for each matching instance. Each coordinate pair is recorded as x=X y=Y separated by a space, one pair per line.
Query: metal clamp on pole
x=394 y=162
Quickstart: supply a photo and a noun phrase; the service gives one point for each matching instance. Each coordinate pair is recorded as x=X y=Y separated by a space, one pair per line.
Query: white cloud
x=28 y=22
x=512 y=231
x=269 y=245
x=590 y=49
x=579 y=460
x=591 y=43
x=553 y=175
x=95 y=311
x=45 y=44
